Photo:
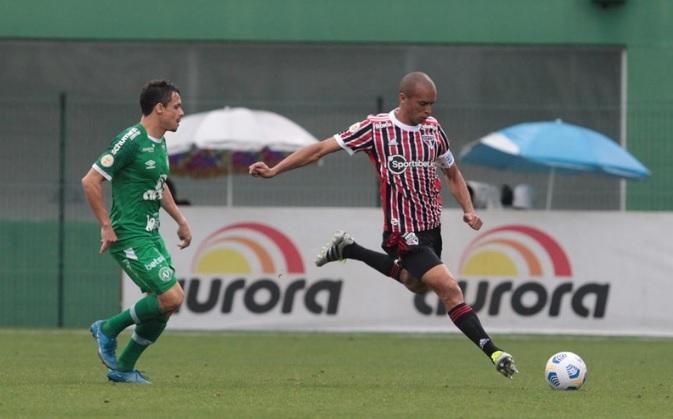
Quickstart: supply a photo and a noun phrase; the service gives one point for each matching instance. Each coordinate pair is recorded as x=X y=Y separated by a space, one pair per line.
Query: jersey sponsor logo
x=107 y=160
x=131 y=135
x=397 y=164
x=157 y=193
x=150 y=164
x=149 y=149
x=382 y=125
x=152 y=223
x=392 y=141
x=153 y=195
x=155 y=262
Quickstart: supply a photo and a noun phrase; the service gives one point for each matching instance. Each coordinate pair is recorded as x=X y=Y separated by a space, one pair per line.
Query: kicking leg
x=441 y=281
x=343 y=246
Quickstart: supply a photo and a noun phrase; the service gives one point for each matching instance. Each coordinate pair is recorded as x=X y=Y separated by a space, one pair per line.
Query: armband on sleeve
x=446 y=160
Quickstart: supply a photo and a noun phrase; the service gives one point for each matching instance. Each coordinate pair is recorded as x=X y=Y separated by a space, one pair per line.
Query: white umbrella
x=205 y=143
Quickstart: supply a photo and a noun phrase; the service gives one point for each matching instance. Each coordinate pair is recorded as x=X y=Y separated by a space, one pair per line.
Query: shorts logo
x=107 y=160
x=165 y=274
x=411 y=239
x=154 y=263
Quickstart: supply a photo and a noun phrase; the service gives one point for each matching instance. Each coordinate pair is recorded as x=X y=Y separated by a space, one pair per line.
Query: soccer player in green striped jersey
x=136 y=164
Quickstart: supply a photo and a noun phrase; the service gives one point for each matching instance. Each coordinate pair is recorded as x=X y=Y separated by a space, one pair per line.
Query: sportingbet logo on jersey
x=525 y=271
x=397 y=164
x=255 y=268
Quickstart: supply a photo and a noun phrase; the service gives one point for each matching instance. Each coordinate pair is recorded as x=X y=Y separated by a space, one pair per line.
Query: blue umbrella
x=553 y=146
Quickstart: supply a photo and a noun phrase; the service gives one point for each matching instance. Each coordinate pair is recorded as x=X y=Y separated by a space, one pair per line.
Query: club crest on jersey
x=410 y=239
x=165 y=274
x=428 y=139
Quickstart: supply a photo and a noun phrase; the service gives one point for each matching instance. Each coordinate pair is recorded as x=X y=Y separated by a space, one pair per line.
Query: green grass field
x=272 y=375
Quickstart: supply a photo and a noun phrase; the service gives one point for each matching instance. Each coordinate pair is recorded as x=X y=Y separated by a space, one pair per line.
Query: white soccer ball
x=565 y=371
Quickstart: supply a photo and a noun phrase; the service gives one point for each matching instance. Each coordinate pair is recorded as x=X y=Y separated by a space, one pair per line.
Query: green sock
x=115 y=324
x=146 y=333
x=144 y=309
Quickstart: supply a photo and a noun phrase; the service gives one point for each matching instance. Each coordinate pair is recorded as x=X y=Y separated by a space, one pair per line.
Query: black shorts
x=418 y=252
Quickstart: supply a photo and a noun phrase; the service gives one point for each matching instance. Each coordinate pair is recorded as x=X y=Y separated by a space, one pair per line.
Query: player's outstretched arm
x=458 y=189
x=92 y=184
x=305 y=155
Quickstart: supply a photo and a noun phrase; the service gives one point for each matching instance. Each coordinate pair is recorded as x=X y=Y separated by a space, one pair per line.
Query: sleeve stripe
x=343 y=145
x=102 y=172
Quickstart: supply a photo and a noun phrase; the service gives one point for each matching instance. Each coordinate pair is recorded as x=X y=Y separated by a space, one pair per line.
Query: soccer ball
x=565 y=371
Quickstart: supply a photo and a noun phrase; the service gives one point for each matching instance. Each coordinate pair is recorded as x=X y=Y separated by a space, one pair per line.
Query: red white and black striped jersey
x=406 y=159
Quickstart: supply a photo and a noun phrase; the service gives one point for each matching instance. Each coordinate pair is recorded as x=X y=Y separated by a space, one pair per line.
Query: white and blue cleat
x=107 y=346
x=129 y=377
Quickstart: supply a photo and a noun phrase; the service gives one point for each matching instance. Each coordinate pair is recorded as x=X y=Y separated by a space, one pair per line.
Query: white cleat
x=333 y=250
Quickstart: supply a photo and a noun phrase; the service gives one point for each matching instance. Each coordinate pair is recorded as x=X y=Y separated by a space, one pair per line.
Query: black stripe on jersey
x=431 y=150
x=413 y=175
x=398 y=198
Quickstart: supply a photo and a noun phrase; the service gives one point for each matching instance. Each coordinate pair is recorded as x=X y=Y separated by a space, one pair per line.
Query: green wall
x=643 y=26
x=30 y=275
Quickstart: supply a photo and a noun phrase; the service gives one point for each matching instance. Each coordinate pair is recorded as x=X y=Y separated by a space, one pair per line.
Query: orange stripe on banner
x=534 y=267
x=264 y=257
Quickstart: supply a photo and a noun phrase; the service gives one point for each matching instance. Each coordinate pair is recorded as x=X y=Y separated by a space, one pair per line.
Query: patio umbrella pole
x=550 y=188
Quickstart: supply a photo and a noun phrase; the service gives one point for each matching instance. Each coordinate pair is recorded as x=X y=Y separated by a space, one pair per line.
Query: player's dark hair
x=156 y=91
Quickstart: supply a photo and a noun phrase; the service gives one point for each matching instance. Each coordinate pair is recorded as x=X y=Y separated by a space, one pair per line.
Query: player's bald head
x=415 y=81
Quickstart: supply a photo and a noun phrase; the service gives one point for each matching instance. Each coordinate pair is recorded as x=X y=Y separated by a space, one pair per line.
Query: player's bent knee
x=440 y=280
x=171 y=300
